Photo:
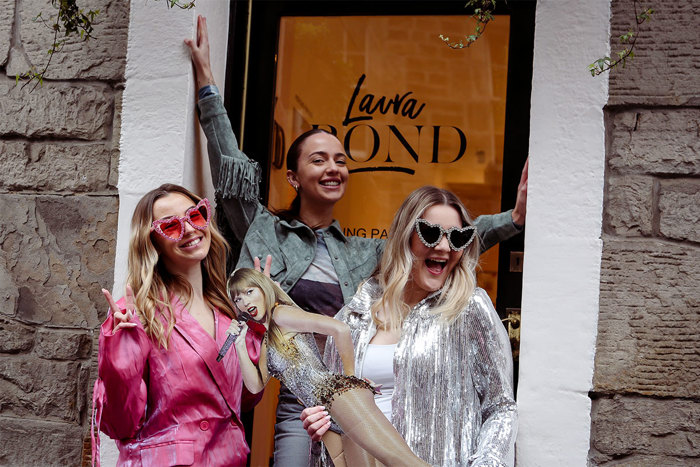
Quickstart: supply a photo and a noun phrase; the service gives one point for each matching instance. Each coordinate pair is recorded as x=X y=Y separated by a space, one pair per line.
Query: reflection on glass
x=409 y=110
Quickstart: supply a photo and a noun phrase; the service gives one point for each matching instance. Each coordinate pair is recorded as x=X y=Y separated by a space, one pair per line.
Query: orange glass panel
x=409 y=110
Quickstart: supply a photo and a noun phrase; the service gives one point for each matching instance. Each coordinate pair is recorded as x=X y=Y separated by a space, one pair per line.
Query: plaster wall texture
x=562 y=243
x=59 y=201
x=161 y=141
x=645 y=395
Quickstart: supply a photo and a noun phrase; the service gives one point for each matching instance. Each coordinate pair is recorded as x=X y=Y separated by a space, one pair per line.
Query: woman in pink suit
x=161 y=394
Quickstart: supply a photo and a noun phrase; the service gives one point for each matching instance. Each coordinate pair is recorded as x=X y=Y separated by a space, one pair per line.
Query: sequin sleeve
x=492 y=369
x=331 y=357
x=355 y=314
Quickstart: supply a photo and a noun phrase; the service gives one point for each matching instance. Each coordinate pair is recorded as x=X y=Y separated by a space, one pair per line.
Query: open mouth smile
x=191 y=243
x=435 y=266
x=252 y=311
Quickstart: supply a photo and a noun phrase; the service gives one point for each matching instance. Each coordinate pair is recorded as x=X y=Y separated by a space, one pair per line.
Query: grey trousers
x=292 y=443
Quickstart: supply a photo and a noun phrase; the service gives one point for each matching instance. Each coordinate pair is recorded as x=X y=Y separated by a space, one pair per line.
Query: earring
x=296 y=188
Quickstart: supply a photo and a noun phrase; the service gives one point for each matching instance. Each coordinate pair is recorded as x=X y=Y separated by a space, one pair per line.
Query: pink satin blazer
x=170 y=407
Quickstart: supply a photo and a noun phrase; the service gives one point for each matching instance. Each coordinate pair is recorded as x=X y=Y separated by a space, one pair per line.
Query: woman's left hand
x=268 y=264
x=521 y=200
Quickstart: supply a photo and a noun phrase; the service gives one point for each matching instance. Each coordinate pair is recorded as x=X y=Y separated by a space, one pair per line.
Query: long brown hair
x=394 y=270
x=153 y=283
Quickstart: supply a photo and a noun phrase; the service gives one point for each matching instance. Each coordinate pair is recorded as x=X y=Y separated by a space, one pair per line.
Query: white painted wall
x=561 y=276
x=159 y=141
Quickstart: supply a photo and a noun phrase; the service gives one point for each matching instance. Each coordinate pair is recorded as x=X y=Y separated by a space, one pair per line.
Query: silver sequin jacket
x=453 y=399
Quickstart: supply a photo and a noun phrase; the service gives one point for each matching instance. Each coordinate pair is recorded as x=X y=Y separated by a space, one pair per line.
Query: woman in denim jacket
x=314 y=262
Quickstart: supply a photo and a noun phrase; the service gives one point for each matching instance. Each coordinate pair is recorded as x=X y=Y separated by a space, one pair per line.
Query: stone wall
x=646 y=394
x=59 y=147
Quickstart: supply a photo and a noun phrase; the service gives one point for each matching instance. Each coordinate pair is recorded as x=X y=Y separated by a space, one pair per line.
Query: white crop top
x=379 y=367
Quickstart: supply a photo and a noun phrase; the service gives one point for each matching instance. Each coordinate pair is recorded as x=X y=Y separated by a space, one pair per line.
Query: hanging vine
x=629 y=39
x=483 y=13
x=68 y=21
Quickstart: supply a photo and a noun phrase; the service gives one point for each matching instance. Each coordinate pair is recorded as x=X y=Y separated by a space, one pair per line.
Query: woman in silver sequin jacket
x=453 y=392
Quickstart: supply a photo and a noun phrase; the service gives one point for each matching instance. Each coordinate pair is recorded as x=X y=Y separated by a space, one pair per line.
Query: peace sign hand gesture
x=122 y=320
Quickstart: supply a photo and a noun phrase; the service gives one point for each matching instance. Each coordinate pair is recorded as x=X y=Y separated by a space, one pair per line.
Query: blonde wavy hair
x=243 y=278
x=153 y=283
x=394 y=270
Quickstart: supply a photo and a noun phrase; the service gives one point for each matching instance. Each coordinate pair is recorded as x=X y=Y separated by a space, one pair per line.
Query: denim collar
x=296 y=224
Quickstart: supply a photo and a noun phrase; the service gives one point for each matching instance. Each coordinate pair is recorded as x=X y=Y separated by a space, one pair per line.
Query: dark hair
x=293 y=155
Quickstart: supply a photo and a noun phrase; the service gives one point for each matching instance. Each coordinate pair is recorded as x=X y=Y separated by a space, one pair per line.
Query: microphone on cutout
x=231 y=338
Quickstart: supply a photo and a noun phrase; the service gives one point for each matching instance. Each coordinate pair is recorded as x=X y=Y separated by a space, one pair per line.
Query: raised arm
x=295 y=319
x=496 y=228
x=235 y=177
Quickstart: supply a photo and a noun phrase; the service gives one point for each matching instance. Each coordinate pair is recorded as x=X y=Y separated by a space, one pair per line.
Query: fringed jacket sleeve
x=236 y=178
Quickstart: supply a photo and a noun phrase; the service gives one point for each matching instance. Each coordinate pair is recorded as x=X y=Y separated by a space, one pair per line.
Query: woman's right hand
x=316 y=421
x=199 y=48
x=122 y=320
x=237 y=327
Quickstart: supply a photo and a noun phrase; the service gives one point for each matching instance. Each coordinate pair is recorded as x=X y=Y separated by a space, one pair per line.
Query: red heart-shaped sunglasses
x=173 y=228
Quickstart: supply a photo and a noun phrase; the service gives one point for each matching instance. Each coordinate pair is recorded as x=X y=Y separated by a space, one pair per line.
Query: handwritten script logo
x=407 y=107
x=363 y=106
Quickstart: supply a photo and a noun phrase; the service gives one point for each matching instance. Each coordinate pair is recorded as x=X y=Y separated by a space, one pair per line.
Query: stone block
x=103 y=57
x=59 y=253
x=648 y=331
x=628 y=210
x=7 y=18
x=63 y=345
x=15 y=337
x=667 y=55
x=679 y=209
x=31 y=387
x=665 y=429
x=17 y=63
x=8 y=291
x=634 y=460
x=54 y=167
x=60 y=111
x=116 y=137
x=37 y=442
x=660 y=141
